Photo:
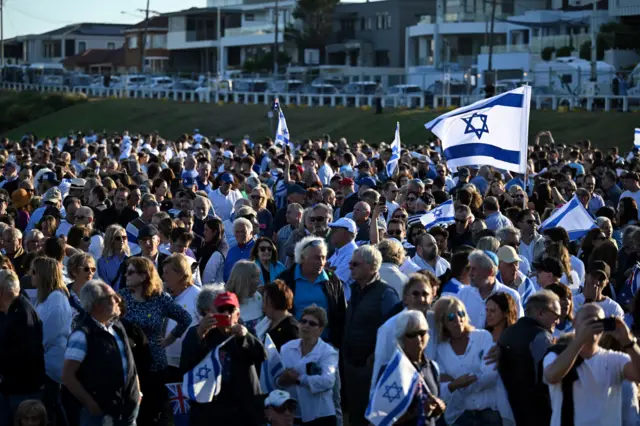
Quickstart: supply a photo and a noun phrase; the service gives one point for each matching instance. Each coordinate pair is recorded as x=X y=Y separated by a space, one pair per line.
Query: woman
x=81 y=267
x=114 y=254
x=34 y=240
x=265 y=218
x=496 y=189
x=20 y=201
x=56 y=315
x=149 y=307
x=243 y=281
x=569 y=277
x=160 y=189
x=594 y=237
x=179 y=284
x=212 y=255
x=566 y=308
x=627 y=216
x=605 y=225
x=265 y=256
x=401 y=214
x=502 y=312
x=30 y=413
x=79 y=237
x=277 y=303
x=48 y=225
x=310 y=369
x=468 y=385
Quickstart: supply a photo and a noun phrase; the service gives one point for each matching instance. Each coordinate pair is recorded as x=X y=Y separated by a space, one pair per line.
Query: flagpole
x=526 y=186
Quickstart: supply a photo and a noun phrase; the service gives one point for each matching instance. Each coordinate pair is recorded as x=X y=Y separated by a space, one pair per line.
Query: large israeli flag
x=282 y=132
x=394 y=392
x=205 y=380
x=395 y=152
x=490 y=132
x=636 y=138
x=442 y=215
x=271 y=368
x=573 y=217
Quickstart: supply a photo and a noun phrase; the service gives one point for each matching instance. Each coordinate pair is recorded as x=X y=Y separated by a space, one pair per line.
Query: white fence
x=416 y=100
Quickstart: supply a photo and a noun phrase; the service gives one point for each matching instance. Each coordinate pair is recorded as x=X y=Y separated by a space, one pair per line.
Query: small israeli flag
x=442 y=215
x=573 y=217
x=394 y=392
x=395 y=152
x=271 y=368
x=282 y=132
x=636 y=138
x=490 y=132
x=205 y=380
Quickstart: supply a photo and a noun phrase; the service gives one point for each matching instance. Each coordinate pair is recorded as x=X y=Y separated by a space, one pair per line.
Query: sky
x=23 y=17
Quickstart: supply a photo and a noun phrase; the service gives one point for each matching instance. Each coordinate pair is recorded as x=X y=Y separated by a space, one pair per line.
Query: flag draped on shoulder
x=205 y=380
x=282 y=132
x=395 y=153
x=271 y=368
x=490 y=132
x=442 y=215
x=394 y=392
x=179 y=404
x=573 y=217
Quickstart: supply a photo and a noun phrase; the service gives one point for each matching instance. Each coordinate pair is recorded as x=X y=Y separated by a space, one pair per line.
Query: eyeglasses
x=120 y=238
x=81 y=217
x=86 y=239
x=555 y=314
x=90 y=269
x=414 y=334
x=265 y=249
x=451 y=316
x=411 y=198
x=308 y=322
x=317 y=219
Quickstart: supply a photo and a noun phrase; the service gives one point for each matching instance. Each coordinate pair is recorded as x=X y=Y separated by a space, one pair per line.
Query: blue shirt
x=275 y=269
x=108 y=270
x=308 y=293
x=497 y=220
x=235 y=254
x=202 y=187
x=480 y=183
x=579 y=168
x=453 y=286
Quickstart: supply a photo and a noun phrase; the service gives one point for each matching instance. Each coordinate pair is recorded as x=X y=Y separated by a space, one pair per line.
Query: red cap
x=346 y=182
x=226 y=299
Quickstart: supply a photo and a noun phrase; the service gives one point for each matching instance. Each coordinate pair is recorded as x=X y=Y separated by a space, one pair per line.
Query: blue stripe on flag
x=385 y=375
x=192 y=395
x=572 y=205
x=513 y=100
x=403 y=405
x=482 y=149
x=276 y=368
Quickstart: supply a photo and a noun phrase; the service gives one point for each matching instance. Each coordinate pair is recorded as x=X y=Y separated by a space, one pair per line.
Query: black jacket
x=349 y=203
x=337 y=303
x=21 y=349
x=110 y=217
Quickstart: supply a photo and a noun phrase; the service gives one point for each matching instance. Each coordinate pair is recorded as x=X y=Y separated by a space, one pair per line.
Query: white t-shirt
x=186 y=299
x=597 y=394
x=609 y=306
x=251 y=311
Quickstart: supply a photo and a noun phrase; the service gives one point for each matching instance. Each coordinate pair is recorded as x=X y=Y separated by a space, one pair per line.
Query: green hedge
x=19 y=108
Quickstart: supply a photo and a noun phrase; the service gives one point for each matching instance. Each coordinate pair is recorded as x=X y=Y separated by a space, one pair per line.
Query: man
x=482 y=273
x=596 y=280
x=320 y=217
x=481 y=181
x=98 y=199
x=460 y=232
x=428 y=257
x=522 y=348
x=243 y=231
x=149 y=208
x=609 y=185
x=392 y=258
x=353 y=199
x=443 y=172
x=204 y=173
x=71 y=205
x=325 y=172
x=361 y=213
x=239 y=402
x=631 y=182
x=188 y=220
x=10 y=182
x=371 y=301
x=224 y=197
x=342 y=238
x=12 y=244
x=390 y=192
x=133 y=200
x=149 y=241
x=84 y=216
x=51 y=198
x=531 y=243
x=509 y=272
x=595 y=374
x=99 y=369
x=279 y=408
x=462 y=179
x=119 y=212
x=595 y=200
x=295 y=195
x=21 y=349
x=493 y=217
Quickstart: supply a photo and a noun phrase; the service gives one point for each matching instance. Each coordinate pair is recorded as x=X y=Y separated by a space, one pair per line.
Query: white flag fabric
x=636 y=138
x=442 y=215
x=395 y=152
x=394 y=392
x=282 y=132
x=490 y=132
x=205 y=380
x=271 y=368
x=573 y=217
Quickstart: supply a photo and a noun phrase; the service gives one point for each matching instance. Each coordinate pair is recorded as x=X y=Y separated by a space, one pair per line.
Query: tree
x=547 y=53
x=264 y=63
x=601 y=46
x=564 y=52
x=316 y=19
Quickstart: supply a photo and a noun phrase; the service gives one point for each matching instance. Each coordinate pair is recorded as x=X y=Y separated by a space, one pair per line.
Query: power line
x=50 y=21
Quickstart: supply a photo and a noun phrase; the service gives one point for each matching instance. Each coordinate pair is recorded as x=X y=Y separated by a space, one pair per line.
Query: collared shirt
x=595 y=203
x=325 y=173
x=56 y=315
x=441 y=266
x=476 y=305
x=108 y=269
x=340 y=261
x=308 y=293
x=497 y=220
x=235 y=254
x=223 y=204
x=452 y=287
x=202 y=186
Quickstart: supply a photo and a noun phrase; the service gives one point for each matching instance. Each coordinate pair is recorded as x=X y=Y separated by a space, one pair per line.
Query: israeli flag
x=282 y=132
x=205 y=380
x=490 y=132
x=442 y=215
x=395 y=152
x=573 y=217
x=394 y=392
x=636 y=138
x=126 y=148
x=271 y=368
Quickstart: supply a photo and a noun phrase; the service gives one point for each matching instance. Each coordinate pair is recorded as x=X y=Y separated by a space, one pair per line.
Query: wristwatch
x=630 y=344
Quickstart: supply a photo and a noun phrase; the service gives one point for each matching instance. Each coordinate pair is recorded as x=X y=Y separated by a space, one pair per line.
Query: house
x=156 y=54
x=97 y=61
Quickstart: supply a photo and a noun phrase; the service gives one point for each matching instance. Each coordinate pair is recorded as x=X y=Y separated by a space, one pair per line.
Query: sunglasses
x=227 y=310
x=317 y=219
x=530 y=222
x=120 y=238
x=89 y=269
x=401 y=216
x=3 y=200
x=417 y=293
x=288 y=406
x=86 y=239
x=265 y=249
x=80 y=217
x=309 y=323
x=451 y=316
x=414 y=334
x=411 y=199
x=394 y=233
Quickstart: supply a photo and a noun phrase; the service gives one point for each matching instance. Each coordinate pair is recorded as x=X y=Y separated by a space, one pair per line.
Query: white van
x=48 y=74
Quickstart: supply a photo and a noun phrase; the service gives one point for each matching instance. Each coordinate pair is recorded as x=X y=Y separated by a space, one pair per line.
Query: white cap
x=345 y=223
x=278 y=398
x=228 y=154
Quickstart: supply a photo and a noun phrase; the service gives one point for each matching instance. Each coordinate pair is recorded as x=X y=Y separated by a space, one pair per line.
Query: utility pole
x=275 y=42
x=2 y=32
x=220 y=51
x=143 y=44
x=594 y=52
x=489 y=86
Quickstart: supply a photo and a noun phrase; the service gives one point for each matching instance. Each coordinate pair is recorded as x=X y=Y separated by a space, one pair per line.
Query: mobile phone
x=222 y=320
x=608 y=323
x=383 y=200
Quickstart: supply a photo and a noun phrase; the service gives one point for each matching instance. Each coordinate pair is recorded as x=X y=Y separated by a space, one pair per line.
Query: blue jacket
x=275 y=269
x=236 y=254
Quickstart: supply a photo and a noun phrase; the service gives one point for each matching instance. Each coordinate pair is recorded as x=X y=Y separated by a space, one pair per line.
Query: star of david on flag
x=395 y=152
x=204 y=381
x=394 y=391
x=471 y=129
x=442 y=215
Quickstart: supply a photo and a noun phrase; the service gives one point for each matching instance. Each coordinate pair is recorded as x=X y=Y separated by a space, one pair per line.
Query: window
x=82 y=46
x=133 y=42
x=379 y=22
x=111 y=46
x=382 y=58
x=369 y=23
x=159 y=41
x=363 y=24
x=388 y=22
x=147 y=41
x=249 y=17
x=383 y=21
x=470 y=6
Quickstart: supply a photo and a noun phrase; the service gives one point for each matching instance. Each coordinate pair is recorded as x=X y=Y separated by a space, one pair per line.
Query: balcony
x=258 y=29
x=536 y=44
x=256 y=34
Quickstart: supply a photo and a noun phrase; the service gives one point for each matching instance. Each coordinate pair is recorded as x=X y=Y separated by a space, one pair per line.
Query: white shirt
x=609 y=306
x=223 y=204
x=63 y=228
x=526 y=250
x=391 y=274
x=578 y=266
x=441 y=266
x=597 y=394
x=186 y=299
x=340 y=261
x=325 y=173
x=476 y=305
x=315 y=392
x=214 y=269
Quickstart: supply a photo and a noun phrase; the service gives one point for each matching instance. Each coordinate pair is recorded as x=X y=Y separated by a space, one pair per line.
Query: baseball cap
x=364 y=165
x=345 y=223
x=346 y=182
x=295 y=189
x=228 y=154
x=78 y=183
x=227 y=177
x=278 y=398
x=50 y=177
x=601 y=268
x=550 y=264
x=226 y=299
x=368 y=181
x=246 y=211
x=52 y=195
x=508 y=254
x=492 y=256
x=188 y=181
x=147 y=231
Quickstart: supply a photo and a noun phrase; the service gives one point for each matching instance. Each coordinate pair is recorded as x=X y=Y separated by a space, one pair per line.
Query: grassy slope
x=172 y=118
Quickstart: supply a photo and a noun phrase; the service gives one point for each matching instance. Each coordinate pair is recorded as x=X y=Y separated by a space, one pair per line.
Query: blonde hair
x=441 y=309
x=48 y=277
x=109 y=238
x=264 y=199
x=152 y=285
x=77 y=261
x=180 y=264
x=560 y=252
x=244 y=280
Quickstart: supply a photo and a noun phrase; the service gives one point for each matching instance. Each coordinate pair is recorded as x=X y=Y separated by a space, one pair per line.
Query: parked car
x=455 y=87
x=401 y=92
x=322 y=89
x=286 y=86
x=160 y=83
x=337 y=82
x=250 y=85
x=130 y=82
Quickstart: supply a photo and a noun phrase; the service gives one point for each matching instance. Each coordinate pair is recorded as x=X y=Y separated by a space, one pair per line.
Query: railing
x=414 y=100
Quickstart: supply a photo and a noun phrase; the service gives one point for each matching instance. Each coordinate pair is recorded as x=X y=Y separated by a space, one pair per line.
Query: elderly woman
x=56 y=314
x=501 y=313
x=412 y=335
x=149 y=307
x=265 y=255
x=34 y=240
x=243 y=231
x=469 y=386
x=81 y=267
x=265 y=218
x=311 y=284
x=244 y=280
x=115 y=253
x=277 y=303
x=179 y=283
x=310 y=370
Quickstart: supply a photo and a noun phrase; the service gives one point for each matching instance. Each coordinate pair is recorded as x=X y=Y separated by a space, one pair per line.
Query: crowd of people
x=127 y=259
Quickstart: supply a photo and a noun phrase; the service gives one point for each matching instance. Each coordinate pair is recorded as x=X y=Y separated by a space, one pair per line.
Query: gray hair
x=540 y=300
x=84 y=211
x=241 y=221
x=4 y=227
x=324 y=206
x=253 y=182
x=488 y=243
x=304 y=244
x=33 y=234
x=503 y=233
x=9 y=281
x=601 y=220
x=409 y=321
x=91 y=293
x=483 y=260
x=371 y=255
x=15 y=232
x=391 y=251
x=206 y=297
